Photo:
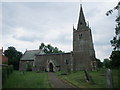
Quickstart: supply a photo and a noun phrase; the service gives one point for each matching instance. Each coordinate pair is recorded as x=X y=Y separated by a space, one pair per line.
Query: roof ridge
x=34 y=50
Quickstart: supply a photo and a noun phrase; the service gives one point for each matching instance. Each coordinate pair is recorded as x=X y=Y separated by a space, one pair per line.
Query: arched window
x=66 y=61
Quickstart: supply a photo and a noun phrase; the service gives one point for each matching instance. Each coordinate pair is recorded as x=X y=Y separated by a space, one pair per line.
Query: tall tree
x=13 y=57
x=115 y=59
x=106 y=63
x=115 y=55
x=42 y=46
x=115 y=42
x=49 y=49
x=99 y=63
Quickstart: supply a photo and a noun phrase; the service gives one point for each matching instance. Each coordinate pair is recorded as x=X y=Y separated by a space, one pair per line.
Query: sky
x=25 y=25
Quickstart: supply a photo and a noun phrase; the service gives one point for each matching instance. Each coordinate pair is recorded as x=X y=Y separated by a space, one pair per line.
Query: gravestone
x=88 y=78
x=109 y=79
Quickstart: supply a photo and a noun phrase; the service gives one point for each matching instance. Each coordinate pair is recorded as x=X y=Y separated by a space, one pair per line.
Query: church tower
x=83 y=49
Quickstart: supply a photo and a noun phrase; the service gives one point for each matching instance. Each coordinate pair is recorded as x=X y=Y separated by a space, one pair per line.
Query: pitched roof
x=30 y=54
x=52 y=54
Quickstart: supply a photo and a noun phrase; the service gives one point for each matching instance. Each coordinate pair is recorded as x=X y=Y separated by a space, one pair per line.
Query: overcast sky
x=26 y=24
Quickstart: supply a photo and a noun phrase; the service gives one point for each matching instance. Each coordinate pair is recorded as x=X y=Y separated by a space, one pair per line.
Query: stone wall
x=23 y=64
x=58 y=60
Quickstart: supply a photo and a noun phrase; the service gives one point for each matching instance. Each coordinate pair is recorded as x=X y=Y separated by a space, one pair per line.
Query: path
x=58 y=83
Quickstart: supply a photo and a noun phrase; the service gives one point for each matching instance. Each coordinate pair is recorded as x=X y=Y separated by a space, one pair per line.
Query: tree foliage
x=49 y=49
x=115 y=8
x=115 y=59
x=29 y=67
x=106 y=63
x=99 y=63
x=115 y=42
x=13 y=57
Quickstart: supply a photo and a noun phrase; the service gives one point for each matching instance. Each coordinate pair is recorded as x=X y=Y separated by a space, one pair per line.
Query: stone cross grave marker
x=88 y=78
x=109 y=79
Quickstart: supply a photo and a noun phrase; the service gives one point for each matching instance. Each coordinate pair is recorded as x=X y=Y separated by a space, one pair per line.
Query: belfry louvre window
x=80 y=36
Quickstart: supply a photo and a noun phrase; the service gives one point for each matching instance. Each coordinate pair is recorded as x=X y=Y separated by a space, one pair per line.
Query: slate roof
x=52 y=54
x=30 y=54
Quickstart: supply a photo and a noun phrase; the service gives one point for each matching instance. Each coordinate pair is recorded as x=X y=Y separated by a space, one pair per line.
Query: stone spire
x=81 y=21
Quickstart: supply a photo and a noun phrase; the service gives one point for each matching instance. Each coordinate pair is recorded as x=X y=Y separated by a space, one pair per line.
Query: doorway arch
x=51 y=67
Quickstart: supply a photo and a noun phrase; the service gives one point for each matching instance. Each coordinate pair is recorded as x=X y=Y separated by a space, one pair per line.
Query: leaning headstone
x=88 y=78
x=109 y=79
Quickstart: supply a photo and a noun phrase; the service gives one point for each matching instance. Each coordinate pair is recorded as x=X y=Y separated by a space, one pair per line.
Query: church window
x=66 y=61
x=81 y=23
x=80 y=36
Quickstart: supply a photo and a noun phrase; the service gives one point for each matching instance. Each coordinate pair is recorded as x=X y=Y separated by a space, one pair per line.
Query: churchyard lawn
x=27 y=80
x=41 y=80
x=78 y=78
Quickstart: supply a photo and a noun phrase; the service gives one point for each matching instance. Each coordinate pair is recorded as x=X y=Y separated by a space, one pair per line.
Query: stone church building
x=81 y=58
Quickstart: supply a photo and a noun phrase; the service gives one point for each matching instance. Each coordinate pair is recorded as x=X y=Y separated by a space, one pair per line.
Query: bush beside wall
x=6 y=71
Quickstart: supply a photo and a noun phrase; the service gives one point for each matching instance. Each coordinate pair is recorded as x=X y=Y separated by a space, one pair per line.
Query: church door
x=51 y=67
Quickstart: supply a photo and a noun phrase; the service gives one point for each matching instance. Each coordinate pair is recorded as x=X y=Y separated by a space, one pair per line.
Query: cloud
x=26 y=25
x=0 y=25
x=103 y=51
x=24 y=35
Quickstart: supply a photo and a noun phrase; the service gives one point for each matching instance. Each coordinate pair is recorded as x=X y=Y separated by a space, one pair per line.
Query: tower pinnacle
x=81 y=21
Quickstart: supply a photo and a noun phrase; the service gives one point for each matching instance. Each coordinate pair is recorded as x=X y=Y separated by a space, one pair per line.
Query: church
x=81 y=58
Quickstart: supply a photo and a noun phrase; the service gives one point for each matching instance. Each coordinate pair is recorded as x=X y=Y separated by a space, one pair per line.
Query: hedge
x=6 y=71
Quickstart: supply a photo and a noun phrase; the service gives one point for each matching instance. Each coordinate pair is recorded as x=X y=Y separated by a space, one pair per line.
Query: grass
x=77 y=78
x=27 y=80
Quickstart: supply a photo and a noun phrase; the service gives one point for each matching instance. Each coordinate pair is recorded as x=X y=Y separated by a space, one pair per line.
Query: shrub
x=6 y=71
x=29 y=67
x=4 y=74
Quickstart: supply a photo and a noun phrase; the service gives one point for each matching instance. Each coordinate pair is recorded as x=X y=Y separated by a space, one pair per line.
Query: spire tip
x=80 y=5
